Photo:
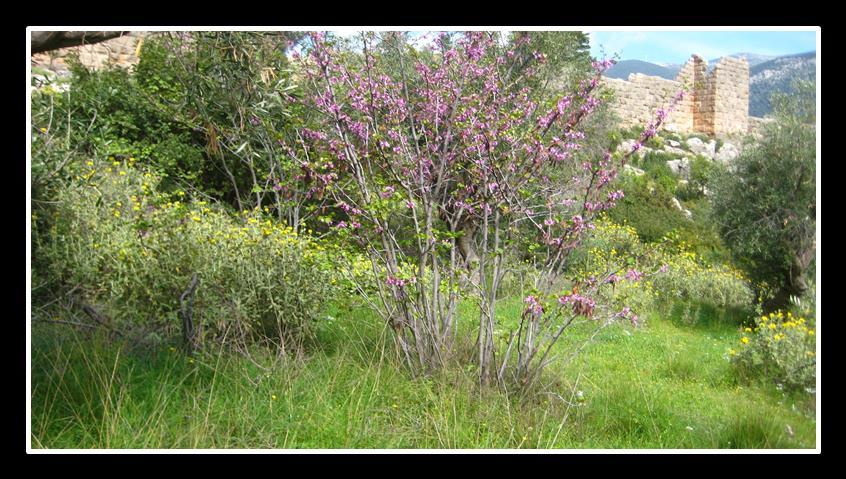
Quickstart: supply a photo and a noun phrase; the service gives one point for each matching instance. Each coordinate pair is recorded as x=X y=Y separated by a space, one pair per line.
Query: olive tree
x=765 y=202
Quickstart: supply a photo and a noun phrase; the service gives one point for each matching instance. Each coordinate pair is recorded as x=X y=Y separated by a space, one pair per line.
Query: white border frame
x=348 y=29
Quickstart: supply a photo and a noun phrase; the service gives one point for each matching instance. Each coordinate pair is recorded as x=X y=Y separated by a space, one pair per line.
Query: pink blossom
x=533 y=305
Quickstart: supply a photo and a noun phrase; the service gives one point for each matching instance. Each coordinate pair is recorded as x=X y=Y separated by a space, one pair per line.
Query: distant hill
x=753 y=58
x=767 y=74
x=624 y=68
x=776 y=75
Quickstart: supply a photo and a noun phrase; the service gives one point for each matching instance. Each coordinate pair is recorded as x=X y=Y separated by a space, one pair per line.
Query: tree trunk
x=46 y=41
x=795 y=283
x=467 y=248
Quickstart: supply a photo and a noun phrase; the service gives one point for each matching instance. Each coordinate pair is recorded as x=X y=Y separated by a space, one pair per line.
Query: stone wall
x=716 y=103
x=121 y=51
x=730 y=80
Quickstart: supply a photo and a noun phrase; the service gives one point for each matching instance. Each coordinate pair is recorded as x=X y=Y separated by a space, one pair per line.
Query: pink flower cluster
x=400 y=283
x=633 y=275
x=627 y=313
x=582 y=305
x=533 y=306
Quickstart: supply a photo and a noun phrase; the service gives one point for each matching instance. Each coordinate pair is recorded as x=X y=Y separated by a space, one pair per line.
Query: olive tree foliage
x=233 y=90
x=766 y=202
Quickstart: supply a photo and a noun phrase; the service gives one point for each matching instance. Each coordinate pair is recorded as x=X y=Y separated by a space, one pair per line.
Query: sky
x=676 y=46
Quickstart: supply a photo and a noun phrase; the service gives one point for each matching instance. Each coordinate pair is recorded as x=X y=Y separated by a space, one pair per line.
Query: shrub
x=648 y=208
x=701 y=169
x=780 y=347
x=132 y=251
x=766 y=206
x=112 y=115
x=614 y=247
x=654 y=163
x=655 y=142
x=686 y=276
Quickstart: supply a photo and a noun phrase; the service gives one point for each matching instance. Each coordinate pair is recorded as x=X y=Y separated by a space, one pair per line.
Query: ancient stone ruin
x=122 y=51
x=716 y=102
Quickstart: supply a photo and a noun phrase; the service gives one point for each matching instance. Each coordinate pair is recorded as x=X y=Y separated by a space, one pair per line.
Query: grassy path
x=665 y=385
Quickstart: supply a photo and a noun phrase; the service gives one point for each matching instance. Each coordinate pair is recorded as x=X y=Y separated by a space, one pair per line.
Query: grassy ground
x=665 y=385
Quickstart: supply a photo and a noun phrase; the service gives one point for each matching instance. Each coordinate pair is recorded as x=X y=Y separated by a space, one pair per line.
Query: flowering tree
x=453 y=151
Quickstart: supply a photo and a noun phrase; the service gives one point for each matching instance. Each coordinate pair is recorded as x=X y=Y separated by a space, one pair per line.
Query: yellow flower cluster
x=776 y=326
x=781 y=347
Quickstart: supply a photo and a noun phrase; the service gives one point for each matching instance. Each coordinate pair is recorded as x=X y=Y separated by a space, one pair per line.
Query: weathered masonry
x=122 y=51
x=716 y=102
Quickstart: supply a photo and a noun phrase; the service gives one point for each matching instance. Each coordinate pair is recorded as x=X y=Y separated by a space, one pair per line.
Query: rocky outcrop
x=680 y=167
x=727 y=153
x=699 y=147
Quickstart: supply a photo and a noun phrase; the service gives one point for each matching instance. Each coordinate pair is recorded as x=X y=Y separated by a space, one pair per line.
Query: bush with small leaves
x=132 y=251
x=779 y=347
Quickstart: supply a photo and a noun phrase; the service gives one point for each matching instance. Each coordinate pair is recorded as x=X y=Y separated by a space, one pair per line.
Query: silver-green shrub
x=132 y=250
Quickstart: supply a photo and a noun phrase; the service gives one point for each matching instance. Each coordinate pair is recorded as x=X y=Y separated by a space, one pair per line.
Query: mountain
x=767 y=74
x=754 y=59
x=623 y=68
x=776 y=75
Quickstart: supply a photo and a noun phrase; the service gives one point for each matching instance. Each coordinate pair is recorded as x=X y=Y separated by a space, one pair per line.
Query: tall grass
x=661 y=386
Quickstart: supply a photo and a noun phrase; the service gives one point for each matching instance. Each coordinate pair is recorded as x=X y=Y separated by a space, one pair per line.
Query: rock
x=727 y=153
x=678 y=205
x=631 y=170
x=711 y=148
x=699 y=147
x=674 y=143
x=627 y=145
x=695 y=145
x=680 y=167
x=674 y=151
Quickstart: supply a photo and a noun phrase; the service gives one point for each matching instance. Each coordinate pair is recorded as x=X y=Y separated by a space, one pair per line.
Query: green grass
x=664 y=385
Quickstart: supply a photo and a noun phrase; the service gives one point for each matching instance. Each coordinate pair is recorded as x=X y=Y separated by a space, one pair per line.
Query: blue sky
x=676 y=47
